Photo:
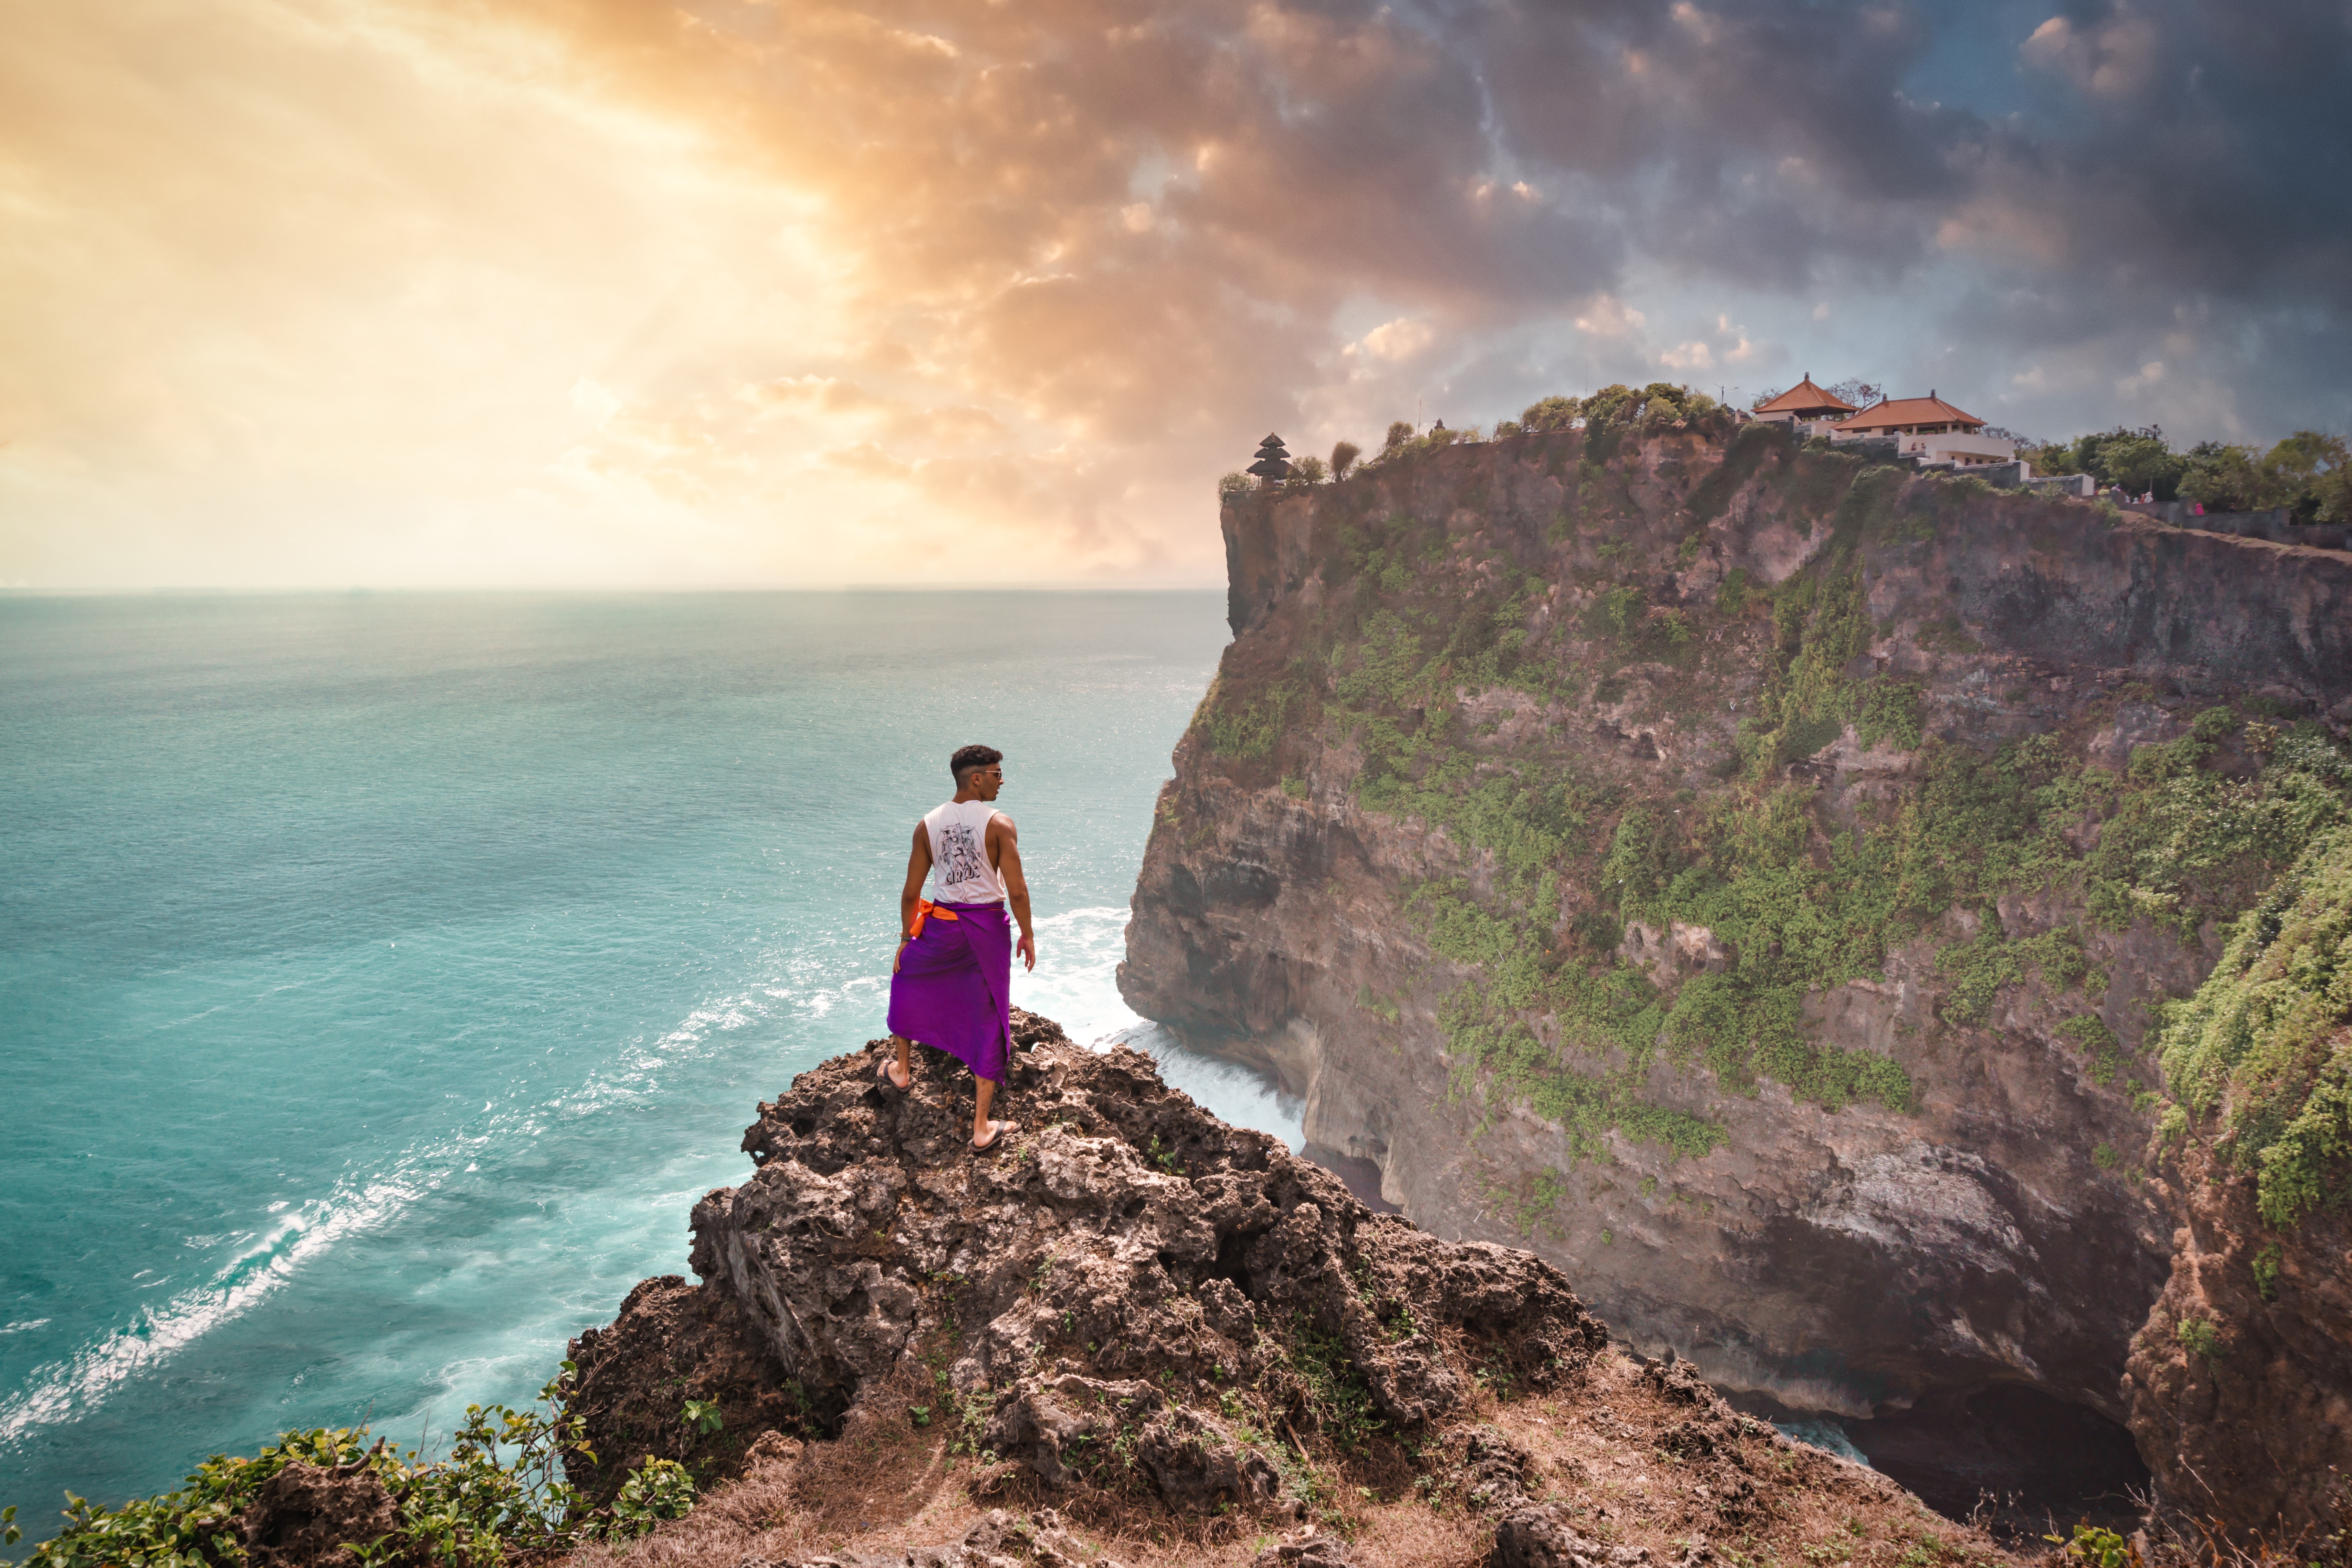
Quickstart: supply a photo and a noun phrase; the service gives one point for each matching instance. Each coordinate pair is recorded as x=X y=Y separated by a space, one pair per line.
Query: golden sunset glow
x=587 y=292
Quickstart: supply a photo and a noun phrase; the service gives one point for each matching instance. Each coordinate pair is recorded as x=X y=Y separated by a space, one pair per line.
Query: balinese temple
x=1273 y=465
x=1928 y=415
x=1804 y=403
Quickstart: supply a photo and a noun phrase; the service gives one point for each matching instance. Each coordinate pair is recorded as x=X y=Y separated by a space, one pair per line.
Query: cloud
x=1607 y=316
x=2114 y=58
x=1402 y=338
x=1018 y=281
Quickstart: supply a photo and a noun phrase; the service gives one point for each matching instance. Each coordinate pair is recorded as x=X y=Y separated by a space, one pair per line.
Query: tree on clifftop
x=1343 y=458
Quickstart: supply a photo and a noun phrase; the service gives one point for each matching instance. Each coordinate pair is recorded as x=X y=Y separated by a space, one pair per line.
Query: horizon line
x=28 y=591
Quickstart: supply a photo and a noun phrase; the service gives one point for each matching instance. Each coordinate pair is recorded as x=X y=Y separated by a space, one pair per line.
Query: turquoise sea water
x=383 y=976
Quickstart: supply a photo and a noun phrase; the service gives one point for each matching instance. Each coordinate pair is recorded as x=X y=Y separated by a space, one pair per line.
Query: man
x=952 y=978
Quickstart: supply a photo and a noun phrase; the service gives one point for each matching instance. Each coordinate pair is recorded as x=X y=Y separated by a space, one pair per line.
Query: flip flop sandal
x=1004 y=1130
x=889 y=1082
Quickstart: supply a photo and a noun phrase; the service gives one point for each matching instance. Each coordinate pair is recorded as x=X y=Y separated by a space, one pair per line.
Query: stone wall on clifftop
x=1747 y=876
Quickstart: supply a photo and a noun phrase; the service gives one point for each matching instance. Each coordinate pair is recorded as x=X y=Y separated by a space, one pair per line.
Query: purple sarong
x=953 y=989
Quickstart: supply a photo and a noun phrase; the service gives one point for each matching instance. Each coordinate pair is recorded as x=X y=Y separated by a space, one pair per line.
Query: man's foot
x=994 y=1135
x=889 y=1074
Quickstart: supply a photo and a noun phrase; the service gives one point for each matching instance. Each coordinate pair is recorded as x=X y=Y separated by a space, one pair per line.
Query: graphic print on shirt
x=961 y=858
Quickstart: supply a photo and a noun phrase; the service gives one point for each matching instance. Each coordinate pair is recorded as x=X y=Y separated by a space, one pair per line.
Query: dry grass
x=889 y=1484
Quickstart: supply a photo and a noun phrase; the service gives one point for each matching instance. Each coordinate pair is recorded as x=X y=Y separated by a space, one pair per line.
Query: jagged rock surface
x=998 y=1540
x=310 y=1516
x=672 y=1343
x=2253 y=1424
x=1085 y=1297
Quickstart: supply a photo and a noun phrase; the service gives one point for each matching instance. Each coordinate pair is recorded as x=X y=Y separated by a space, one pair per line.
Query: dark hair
x=970 y=757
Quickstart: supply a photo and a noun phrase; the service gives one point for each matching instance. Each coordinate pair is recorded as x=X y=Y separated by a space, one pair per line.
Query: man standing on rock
x=951 y=979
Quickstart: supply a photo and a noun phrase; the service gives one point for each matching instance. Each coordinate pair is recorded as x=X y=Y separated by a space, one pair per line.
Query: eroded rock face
x=999 y=1539
x=673 y=1341
x=1856 y=1259
x=1087 y=1296
x=2242 y=1380
x=307 y=1516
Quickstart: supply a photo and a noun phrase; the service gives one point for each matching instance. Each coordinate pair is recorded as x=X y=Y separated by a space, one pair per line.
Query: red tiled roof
x=1804 y=397
x=1898 y=412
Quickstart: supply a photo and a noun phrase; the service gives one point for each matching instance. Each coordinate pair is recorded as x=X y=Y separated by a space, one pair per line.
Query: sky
x=778 y=293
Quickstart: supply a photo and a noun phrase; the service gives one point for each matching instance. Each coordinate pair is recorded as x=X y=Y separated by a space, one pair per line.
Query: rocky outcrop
x=315 y=1516
x=1501 y=723
x=1169 y=1330
x=672 y=1342
x=998 y=1540
x=2242 y=1374
x=1090 y=1303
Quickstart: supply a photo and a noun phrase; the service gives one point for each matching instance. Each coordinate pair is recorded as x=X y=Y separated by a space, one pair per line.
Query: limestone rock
x=1082 y=1301
x=1539 y=1536
x=2246 y=1416
x=306 y=1515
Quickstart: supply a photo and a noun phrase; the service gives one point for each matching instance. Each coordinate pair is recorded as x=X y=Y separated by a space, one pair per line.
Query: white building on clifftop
x=1928 y=430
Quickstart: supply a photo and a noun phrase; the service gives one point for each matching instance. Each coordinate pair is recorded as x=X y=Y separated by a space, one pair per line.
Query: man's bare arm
x=918 y=866
x=1007 y=848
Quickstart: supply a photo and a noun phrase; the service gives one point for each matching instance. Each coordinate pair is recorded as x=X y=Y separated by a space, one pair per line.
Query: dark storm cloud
x=2171 y=145
x=1481 y=162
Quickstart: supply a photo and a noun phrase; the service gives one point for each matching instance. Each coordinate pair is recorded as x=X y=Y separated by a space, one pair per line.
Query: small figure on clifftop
x=952 y=978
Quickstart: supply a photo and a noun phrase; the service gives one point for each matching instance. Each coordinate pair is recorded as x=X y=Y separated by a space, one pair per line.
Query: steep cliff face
x=1748 y=877
x=2242 y=1380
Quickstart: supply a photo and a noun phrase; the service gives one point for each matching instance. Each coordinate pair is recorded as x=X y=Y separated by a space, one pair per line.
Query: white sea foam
x=62 y=1390
x=1076 y=983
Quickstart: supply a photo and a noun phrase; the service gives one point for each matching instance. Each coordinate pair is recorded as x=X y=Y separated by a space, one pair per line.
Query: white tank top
x=961 y=873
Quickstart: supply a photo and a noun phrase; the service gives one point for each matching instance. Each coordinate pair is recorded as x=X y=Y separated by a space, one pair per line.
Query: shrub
x=2200 y=1337
x=2264 y=1045
x=501 y=1492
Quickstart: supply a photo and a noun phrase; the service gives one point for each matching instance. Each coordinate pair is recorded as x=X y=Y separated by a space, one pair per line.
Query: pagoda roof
x=1805 y=396
x=1897 y=413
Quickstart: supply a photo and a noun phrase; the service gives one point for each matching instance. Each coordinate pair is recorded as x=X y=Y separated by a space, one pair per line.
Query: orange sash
x=924 y=910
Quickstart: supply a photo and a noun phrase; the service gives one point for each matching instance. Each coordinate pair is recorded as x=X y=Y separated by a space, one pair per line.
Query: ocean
x=382 y=976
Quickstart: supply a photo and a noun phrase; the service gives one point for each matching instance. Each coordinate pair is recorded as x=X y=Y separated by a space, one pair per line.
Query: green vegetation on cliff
x=499 y=1494
x=1463 y=667
x=2261 y=1058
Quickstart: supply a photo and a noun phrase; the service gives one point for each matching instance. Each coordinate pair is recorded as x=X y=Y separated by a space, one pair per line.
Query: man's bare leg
x=985 y=1133
x=902 y=1071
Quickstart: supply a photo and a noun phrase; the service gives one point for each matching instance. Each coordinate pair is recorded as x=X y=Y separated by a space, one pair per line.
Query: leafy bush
x=2200 y=1337
x=2091 y=1035
x=1550 y=414
x=2265 y=1045
x=2097 y=1547
x=1251 y=731
x=501 y=1492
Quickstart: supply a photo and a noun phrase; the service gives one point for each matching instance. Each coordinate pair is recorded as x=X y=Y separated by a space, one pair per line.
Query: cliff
x=1753 y=880
x=1133 y=1327
x=2242 y=1375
